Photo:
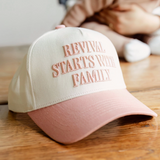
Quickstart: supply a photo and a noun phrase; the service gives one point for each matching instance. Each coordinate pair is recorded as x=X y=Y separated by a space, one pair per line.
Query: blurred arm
x=84 y=9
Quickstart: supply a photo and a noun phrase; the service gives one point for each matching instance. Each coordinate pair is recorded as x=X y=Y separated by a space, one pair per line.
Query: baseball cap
x=70 y=83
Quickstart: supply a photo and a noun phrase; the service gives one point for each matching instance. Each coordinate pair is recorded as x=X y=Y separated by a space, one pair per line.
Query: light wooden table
x=127 y=138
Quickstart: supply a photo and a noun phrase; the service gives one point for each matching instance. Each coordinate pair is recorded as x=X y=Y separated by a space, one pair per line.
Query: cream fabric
x=34 y=87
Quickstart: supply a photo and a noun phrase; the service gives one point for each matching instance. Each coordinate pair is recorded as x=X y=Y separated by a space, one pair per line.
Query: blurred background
x=22 y=22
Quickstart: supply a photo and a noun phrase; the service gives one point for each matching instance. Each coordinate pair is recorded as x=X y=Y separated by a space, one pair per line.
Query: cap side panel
x=29 y=66
x=20 y=96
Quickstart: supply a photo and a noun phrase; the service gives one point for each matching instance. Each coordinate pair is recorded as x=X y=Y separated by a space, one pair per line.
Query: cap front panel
x=72 y=62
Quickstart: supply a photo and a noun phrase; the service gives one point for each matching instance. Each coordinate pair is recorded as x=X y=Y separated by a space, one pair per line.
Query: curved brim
x=74 y=119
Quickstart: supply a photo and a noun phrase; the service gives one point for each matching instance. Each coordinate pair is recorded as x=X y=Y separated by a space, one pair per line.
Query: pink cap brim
x=74 y=119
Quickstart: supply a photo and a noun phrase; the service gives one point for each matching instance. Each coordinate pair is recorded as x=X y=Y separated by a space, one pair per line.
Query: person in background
x=133 y=26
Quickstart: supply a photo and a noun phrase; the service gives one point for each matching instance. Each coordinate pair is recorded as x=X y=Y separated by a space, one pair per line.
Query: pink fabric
x=60 y=26
x=84 y=9
x=74 y=119
x=87 y=14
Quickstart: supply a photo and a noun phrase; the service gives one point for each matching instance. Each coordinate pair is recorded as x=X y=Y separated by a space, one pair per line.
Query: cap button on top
x=60 y=26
